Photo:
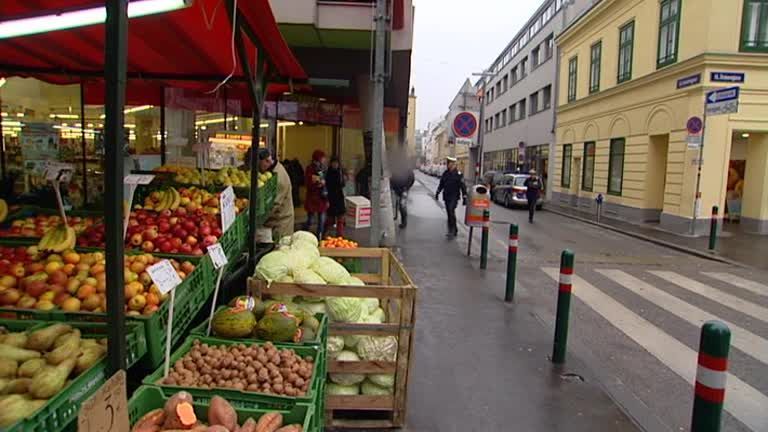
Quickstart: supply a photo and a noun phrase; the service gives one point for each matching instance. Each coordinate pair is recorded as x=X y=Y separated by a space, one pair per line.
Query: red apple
x=165 y=247
x=191 y=240
x=136 y=239
x=197 y=251
x=149 y=234
x=209 y=240
x=189 y=224
x=181 y=211
x=176 y=242
x=216 y=231
x=166 y=213
x=35 y=288
x=204 y=230
x=9 y=297
x=163 y=227
x=148 y=246
x=186 y=248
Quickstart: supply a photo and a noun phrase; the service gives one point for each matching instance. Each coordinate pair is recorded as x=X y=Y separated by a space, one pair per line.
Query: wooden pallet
x=387 y=281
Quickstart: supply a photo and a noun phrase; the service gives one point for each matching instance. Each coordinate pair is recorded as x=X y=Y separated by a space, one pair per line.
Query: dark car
x=510 y=191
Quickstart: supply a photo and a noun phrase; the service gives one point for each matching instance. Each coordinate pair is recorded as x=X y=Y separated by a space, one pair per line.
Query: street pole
x=481 y=133
x=565 y=288
x=484 y=239
x=381 y=20
x=512 y=263
x=713 y=228
x=711 y=374
x=697 y=196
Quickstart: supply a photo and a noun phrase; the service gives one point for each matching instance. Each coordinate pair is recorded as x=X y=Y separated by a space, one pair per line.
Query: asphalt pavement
x=635 y=319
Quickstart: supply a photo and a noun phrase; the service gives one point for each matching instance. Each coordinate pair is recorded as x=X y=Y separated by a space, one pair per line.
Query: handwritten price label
x=56 y=171
x=139 y=179
x=227 y=203
x=164 y=276
x=107 y=409
x=218 y=256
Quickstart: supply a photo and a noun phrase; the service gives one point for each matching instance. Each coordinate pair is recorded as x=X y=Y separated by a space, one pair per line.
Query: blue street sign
x=688 y=81
x=729 y=77
x=722 y=101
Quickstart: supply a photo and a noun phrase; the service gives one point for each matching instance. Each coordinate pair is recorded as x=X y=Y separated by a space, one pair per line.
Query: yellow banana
x=53 y=237
x=67 y=242
x=176 y=199
x=163 y=203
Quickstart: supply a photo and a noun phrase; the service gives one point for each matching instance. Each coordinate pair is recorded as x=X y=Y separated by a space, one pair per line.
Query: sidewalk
x=480 y=364
x=733 y=245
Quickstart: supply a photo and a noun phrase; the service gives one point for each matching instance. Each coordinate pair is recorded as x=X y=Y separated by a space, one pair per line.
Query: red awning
x=192 y=44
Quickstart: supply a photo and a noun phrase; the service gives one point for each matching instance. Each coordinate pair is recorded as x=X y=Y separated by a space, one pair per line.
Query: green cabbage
x=371 y=305
x=272 y=266
x=308 y=248
x=285 y=279
x=354 y=282
x=370 y=389
x=307 y=276
x=285 y=241
x=335 y=345
x=311 y=307
x=350 y=341
x=382 y=380
x=342 y=390
x=330 y=270
x=345 y=309
x=299 y=259
x=377 y=348
x=376 y=316
x=304 y=236
x=346 y=378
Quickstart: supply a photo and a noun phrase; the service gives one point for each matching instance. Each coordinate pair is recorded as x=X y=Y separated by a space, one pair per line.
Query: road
x=637 y=313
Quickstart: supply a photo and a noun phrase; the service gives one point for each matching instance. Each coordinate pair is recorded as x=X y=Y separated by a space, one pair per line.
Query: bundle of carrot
x=337 y=243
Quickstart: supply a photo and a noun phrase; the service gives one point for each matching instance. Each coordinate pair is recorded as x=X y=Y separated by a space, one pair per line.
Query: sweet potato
x=222 y=413
x=176 y=418
x=150 y=422
x=217 y=428
x=291 y=428
x=248 y=426
x=269 y=422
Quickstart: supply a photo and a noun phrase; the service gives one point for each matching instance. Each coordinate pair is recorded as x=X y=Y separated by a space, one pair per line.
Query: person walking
x=316 y=201
x=532 y=193
x=452 y=186
x=401 y=182
x=334 y=182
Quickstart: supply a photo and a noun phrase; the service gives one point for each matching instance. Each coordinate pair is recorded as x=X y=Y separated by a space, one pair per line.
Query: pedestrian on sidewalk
x=334 y=182
x=532 y=193
x=401 y=182
x=452 y=186
x=316 y=201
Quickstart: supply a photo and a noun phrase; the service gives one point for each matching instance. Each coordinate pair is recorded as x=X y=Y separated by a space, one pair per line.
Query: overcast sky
x=454 y=38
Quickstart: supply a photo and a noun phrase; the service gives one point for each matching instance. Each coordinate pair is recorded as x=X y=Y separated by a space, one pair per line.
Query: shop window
x=754 y=33
x=626 y=46
x=546 y=97
x=565 y=177
x=534 y=103
x=596 y=52
x=573 y=65
x=616 y=166
x=588 y=173
x=669 y=32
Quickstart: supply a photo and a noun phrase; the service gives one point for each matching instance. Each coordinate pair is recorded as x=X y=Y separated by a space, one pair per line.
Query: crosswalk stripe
x=743 y=401
x=733 y=302
x=734 y=280
x=742 y=339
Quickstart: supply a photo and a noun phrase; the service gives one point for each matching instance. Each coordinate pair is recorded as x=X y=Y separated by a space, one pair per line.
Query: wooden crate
x=388 y=281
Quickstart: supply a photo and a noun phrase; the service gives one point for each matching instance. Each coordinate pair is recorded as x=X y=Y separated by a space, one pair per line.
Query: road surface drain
x=572 y=377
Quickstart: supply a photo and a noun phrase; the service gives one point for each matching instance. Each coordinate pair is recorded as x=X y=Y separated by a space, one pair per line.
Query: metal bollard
x=711 y=374
x=713 y=228
x=484 y=240
x=563 y=307
x=511 y=263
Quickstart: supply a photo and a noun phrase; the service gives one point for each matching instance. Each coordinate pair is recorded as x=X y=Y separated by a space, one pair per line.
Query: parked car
x=510 y=191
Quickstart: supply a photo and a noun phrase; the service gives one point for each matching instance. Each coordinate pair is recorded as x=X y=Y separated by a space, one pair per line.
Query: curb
x=683 y=249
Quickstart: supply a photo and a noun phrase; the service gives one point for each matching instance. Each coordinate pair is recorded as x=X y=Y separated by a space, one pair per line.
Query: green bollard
x=563 y=307
x=511 y=263
x=484 y=240
x=713 y=228
x=709 y=393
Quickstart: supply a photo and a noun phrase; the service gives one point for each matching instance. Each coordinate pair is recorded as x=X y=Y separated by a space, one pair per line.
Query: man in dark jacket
x=532 y=193
x=452 y=186
x=402 y=180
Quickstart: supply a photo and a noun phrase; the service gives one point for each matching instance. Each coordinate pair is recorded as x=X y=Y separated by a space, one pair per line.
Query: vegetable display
x=254 y=368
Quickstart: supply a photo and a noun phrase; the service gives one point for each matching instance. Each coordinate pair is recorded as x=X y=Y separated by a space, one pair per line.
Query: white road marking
x=733 y=302
x=748 y=285
x=743 y=401
x=742 y=339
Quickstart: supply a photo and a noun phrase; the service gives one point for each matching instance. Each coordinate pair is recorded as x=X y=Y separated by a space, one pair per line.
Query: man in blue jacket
x=452 y=186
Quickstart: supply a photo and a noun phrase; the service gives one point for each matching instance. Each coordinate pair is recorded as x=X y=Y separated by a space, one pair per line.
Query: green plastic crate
x=234 y=239
x=245 y=398
x=147 y=398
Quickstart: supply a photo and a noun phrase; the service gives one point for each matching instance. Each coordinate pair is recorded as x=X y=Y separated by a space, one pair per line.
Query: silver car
x=510 y=192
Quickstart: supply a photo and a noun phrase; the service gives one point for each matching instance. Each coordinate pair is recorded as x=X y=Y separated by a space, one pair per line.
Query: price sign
x=107 y=409
x=218 y=256
x=227 y=203
x=58 y=172
x=139 y=179
x=164 y=276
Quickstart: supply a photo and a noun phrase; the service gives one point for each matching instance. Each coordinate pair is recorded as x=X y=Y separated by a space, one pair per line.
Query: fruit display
x=255 y=368
x=338 y=242
x=264 y=178
x=37 y=365
x=178 y=414
x=58 y=239
x=3 y=210
x=37 y=226
x=74 y=282
x=227 y=176
x=273 y=321
x=190 y=199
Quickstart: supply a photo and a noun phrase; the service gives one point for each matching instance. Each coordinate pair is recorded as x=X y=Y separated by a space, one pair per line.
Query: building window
x=521 y=114
x=486 y=126
x=490 y=95
x=505 y=82
x=498 y=88
x=503 y=117
x=523 y=67
x=534 y=103
x=549 y=47
x=559 y=4
x=565 y=177
x=594 y=67
x=754 y=29
x=546 y=97
x=513 y=74
x=626 y=45
x=588 y=173
x=496 y=121
x=512 y=114
x=669 y=32
x=616 y=166
x=490 y=125
x=535 y=57
x=573 y=66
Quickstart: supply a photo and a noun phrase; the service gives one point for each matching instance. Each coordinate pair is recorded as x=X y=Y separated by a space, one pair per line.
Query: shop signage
x=689 y=81
x=722 y=101
x=464 y=124
x=727 y=77
x=227 y=204
x=107 y=409
x=218 y=256
x=164 y=276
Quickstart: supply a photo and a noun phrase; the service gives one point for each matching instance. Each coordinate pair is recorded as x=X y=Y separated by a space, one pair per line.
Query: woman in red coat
x=316 y=202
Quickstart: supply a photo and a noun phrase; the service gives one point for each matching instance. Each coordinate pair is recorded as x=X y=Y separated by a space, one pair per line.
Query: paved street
x=638 y=310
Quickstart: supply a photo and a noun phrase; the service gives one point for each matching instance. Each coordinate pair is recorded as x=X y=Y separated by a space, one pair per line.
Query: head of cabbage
x=382 y=380
x=347 y=378
x=369 y=388
x=342 y=390
x=377 y=348
x=307 y=276
x=335 y=345
x=272 y=266
x=299 y=259
x=330 y=270
x=304 y=236
x=345 y=309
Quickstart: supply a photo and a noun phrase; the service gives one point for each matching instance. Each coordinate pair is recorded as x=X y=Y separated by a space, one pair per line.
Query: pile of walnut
x=254 y=368
x=179 y=415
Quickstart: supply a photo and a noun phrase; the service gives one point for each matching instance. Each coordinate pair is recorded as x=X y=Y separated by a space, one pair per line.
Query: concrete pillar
x=754 y=206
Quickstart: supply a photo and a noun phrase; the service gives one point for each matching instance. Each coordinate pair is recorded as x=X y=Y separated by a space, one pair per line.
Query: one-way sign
x=722 y=101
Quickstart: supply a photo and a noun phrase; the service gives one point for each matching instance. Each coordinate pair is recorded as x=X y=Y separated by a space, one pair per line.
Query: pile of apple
x=37 y=226
x=75 y=282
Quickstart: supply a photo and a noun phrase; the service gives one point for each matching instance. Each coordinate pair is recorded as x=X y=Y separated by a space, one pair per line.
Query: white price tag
x=218 y=256
x=56 y=171
x=164 y=276
x=227 y=203
x=139 y=179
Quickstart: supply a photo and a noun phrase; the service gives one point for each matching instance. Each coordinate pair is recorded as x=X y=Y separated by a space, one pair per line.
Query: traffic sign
x=464 y=124
x=722 y=101
x=729 y=77
x=694 y=125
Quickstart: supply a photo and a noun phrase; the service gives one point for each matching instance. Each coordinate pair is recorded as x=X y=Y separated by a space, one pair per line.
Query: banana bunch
x=3 y=210
x=58 y=239
x=170 y=200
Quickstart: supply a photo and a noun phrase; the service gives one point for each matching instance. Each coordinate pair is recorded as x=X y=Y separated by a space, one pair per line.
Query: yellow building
x=632 y=73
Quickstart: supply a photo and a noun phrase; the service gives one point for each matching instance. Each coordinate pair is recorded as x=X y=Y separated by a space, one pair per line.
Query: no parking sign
x=464 y=124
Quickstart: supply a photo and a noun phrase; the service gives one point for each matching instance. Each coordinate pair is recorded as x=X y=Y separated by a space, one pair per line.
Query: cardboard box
x=358 y=212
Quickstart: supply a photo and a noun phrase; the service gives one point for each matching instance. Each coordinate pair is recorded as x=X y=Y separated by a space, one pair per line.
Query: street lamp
x=481 y=128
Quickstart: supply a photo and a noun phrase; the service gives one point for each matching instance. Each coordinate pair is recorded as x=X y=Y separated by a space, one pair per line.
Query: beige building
x=632 y=73
x=410 y=127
